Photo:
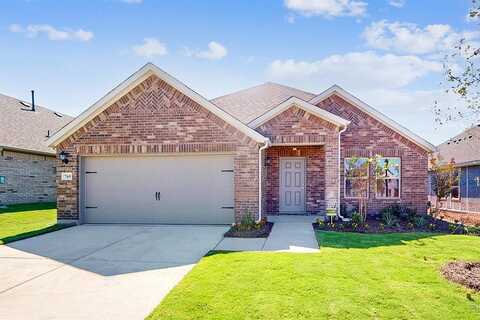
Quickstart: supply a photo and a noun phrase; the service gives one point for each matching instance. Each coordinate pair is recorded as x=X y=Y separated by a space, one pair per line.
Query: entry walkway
x=289 y=233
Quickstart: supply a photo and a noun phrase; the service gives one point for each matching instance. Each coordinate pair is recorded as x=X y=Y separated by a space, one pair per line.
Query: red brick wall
x=295 y=126
x=154 y=118
x=366 y=137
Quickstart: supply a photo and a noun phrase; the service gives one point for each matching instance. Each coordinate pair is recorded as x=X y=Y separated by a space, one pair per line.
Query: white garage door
x=169 y=189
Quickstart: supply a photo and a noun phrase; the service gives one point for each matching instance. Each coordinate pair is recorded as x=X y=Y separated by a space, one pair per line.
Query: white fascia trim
x=336 y=89
x=135 y=79
x=308 y=107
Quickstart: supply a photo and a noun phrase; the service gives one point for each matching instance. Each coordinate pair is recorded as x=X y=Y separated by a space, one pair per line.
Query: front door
x=292 y=185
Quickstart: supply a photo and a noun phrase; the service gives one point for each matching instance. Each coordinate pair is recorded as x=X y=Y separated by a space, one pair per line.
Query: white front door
x=292 y=185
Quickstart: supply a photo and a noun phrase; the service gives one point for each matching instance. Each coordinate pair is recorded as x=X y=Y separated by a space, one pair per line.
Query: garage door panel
x=183 y=189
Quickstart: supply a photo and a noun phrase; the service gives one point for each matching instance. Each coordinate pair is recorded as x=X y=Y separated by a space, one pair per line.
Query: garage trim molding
x=135 y=79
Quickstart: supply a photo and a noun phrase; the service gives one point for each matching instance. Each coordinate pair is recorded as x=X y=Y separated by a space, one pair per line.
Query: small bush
x=357 y=218
x=389 y=219
x=420 y=222
x=320 y=222
x=247 y=222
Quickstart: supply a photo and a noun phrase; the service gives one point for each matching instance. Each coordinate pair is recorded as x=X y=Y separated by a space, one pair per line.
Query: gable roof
x=250 y=103
x=140 y=75
x=24 y=130
x=464 y=148
x=310 y=108
x=337 y=90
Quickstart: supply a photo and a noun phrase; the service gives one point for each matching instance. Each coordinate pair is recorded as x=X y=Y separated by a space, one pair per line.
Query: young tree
x=462 y=77
x=444 y=177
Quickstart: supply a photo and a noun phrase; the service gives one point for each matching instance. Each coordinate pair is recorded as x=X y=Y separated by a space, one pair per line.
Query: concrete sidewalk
x=289 y=233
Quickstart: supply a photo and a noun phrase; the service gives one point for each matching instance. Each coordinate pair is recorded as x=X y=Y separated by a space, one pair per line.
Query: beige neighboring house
x=27 y=164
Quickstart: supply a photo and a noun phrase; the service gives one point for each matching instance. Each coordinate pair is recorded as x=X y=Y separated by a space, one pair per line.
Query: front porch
x=295 y=181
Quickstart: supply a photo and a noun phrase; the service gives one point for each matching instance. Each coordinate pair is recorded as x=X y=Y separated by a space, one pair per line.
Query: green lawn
x=22 y=221
x=355 y=276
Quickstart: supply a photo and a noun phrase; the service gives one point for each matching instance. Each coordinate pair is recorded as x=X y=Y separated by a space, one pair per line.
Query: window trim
x=364 y=178
x=399 y=181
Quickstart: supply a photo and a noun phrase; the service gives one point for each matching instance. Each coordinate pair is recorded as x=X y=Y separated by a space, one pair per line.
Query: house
x=464 y=151
x=27 y=165
x=155 y=151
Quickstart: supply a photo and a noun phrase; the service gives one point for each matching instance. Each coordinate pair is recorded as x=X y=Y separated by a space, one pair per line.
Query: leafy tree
x=462 y=77
x=444 y=177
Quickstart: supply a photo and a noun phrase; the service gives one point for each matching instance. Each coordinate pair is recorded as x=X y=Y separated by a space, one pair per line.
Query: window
x=2 y=180
x=455 y=187
x=356 y=177
x=387 y=176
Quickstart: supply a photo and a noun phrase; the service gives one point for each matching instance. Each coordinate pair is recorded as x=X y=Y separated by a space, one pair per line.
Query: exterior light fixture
x=63 y=156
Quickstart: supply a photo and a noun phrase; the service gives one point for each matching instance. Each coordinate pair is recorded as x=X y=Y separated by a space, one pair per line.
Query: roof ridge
x=290 y=87
x=263 y=84
x=460 y=135
x=238 y=91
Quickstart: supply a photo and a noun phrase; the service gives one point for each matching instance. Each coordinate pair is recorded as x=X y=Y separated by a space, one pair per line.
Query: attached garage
x=169 y=189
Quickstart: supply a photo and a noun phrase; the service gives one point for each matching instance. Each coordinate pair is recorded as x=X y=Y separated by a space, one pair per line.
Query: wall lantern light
x=63 y=156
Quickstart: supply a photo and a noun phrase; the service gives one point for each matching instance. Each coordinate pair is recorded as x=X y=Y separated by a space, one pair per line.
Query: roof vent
x=30 y=107
x=33 y=100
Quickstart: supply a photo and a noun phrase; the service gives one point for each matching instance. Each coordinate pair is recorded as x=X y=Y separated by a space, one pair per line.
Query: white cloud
x=150 y=47
x=397 y=3
x=216 y=51
x=356 y=69
x=33 y=30
x=328 y=8
x=409 y=38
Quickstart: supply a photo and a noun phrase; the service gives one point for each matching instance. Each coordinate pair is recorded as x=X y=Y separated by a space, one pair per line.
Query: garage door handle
x=87 y=207
x=158 y=196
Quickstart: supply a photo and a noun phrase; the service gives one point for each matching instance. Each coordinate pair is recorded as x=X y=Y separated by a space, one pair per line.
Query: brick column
x=331 y=170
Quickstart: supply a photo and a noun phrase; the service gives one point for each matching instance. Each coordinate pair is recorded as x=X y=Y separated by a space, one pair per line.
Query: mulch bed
x=464 y=273
x=470 y=219
x=374 y=225
x=262 y=232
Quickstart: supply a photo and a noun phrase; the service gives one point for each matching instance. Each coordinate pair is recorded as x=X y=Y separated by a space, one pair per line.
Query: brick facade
x=29 y=178
x=367 y=137
x=289 y=130
x=154 y=118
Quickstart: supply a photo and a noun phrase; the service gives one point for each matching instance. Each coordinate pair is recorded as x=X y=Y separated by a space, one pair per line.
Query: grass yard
x=22 y=221
x=355 y=276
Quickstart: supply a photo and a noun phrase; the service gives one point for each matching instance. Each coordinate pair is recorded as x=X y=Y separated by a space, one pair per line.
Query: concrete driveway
x=98 y=271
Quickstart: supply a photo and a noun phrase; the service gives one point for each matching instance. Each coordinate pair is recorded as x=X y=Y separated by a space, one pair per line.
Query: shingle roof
x=463 y=148
x=21 y=128
x=251 y=103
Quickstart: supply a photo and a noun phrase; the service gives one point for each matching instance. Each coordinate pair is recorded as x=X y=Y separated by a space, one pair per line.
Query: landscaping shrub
x=389 y=219
x=247 y=222
x=420 y=222
x=357 y=218
x=401 y=212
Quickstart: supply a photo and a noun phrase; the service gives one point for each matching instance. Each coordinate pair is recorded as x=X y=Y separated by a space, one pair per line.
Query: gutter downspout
x=339 y=172
x=260 y=178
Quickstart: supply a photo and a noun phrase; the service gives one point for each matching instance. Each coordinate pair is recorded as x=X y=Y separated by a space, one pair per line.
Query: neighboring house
x=154 y=151
x=464 y=151
x=27 y=165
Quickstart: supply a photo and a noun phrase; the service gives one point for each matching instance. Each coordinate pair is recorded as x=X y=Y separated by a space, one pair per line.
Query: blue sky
x=386 y=52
